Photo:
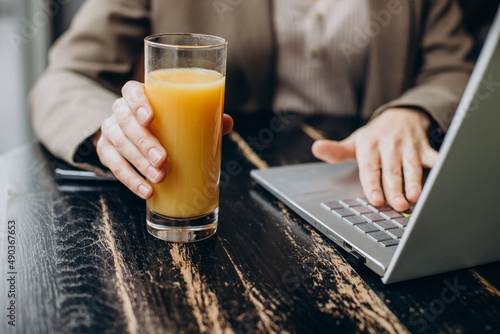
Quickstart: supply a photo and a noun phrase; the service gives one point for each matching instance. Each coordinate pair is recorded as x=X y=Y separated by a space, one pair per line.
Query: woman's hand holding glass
x=126 y=145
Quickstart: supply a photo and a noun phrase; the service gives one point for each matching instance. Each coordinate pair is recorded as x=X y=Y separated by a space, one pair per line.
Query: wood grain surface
x=86 y=264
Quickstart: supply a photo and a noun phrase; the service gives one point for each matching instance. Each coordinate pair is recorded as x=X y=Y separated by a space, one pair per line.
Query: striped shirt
x=322 y=55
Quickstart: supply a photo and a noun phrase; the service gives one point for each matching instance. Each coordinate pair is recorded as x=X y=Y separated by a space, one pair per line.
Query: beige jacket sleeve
x=87 y=68
x=443 y=62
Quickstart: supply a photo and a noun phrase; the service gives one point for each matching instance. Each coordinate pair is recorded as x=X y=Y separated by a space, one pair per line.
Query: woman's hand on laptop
x=125 y=141
x=390 y=148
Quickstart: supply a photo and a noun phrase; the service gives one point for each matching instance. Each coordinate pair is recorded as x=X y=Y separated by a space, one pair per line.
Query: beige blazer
x=418 y=57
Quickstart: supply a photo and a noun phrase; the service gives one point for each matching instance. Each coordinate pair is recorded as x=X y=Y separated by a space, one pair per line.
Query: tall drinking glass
x=184 y=82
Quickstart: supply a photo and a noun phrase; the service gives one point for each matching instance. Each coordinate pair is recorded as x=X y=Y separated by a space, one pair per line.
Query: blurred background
x=28 y=28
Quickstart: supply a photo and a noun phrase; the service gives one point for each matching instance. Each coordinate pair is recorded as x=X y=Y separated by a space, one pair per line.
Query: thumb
x=227 y=124
x=428 y=156
x=334 y=151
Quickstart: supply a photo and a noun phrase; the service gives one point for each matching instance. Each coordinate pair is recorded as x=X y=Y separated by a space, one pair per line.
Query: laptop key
x=363 y=200
x=391 y=214
x=385 y=225
x=396 y=232
x=343 y=212
x=379 y=236
x=361 y=209
x=350 y=202
x=402 y=221
x=332 y=205
x=384 y=207
x=366 y=228
x=373 y=217
x=390 y=242
x=354 y=220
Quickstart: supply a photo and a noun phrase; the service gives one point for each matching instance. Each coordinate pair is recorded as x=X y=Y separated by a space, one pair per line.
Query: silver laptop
x=456 y=222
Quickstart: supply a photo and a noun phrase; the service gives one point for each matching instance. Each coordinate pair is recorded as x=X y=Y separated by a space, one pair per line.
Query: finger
x=334 y=151
x=392 y=178
x=112 y=159
x=227 y=124
x=141 y=137
x=135 y=96
x=368 y=158
x=130 y=152
x=412 y=172
x=428 y=155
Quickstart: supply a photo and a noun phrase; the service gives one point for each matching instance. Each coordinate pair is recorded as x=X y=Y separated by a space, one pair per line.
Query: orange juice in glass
x=185 y=81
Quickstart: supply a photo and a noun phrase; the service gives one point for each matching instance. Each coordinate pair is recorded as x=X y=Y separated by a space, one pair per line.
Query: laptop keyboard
x=382 y=224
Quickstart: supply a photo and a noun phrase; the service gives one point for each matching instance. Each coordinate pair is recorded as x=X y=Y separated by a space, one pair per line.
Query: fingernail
x=377 y=196
x=142 y=114
x=154 y=155
x=153 y=173
x=143 y=190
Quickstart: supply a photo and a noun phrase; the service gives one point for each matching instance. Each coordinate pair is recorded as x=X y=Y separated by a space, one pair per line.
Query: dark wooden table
x=84 y=262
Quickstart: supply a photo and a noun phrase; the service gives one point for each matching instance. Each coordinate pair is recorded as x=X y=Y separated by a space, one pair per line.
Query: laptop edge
x=461 y=190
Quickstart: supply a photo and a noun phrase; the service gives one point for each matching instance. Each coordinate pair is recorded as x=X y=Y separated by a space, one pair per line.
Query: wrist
x=410 y=114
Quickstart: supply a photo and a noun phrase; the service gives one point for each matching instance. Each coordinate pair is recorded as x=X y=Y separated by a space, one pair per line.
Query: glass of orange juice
x=184 y=82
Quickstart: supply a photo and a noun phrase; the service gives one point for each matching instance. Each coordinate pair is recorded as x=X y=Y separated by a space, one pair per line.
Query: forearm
x=88 y=66
x=439 y=97
x=443 y=67
x=66 y=109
